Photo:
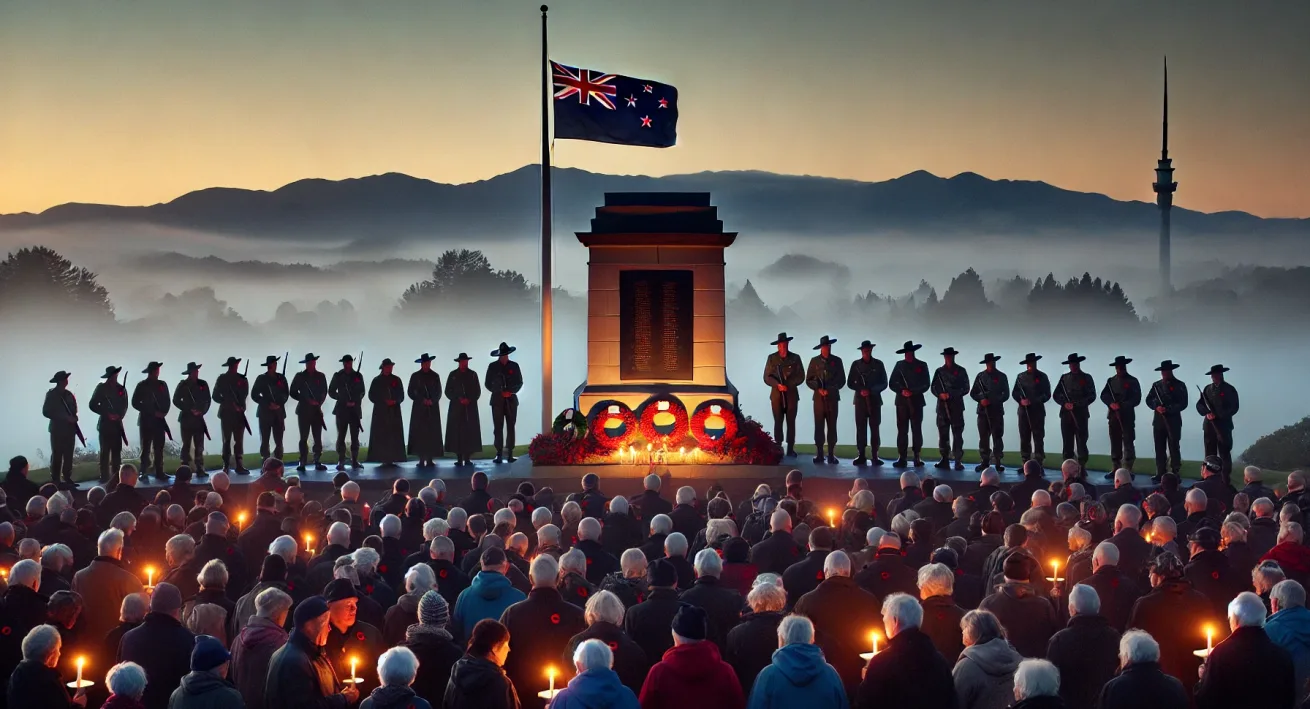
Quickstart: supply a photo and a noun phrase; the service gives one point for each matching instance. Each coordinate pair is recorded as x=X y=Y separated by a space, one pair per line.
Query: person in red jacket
x=692 y=675
x=1290 y=553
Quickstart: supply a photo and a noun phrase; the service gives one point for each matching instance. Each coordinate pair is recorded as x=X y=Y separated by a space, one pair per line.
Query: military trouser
x=503 y=416
x=272 y=427
x=1073 y=429
x=825 y=424
x=909 y=423
x=991 y=434
x=1032 y=433
x=950 y=430
x=1220 y=445
x=1168 y=431
x=784 y=410
x=868 y=418
x=193 y=445
x=1123 y=440
x=234 y=441
x=62 y=444
x=310 y=423
x=152 y=443
x=111 y=448
x=352 y=424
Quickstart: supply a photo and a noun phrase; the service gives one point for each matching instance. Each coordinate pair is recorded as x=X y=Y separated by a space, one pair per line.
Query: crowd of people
x=1048 y=594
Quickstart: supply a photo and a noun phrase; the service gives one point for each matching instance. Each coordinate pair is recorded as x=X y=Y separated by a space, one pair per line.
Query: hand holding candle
x=150 y=577
x=869 y=655
x=309 y=545
x=80 y=684
x=549 y=694
x=1209 y=643
x=1055 y=572
x=354 y=671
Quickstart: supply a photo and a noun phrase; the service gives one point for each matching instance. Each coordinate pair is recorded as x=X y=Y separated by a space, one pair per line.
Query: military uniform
x=270 y=394
x=310 y=390
x=784 y=370
x=192 y=394
x=1035 y=386
x=347 y=389
x=992 y=386
x=150 y=399
x=1219 y=398
x=386 y=443
x=61 y=408
x=463 y=429
x=1124 y=390
x=231 y=390
x=1170 y=394
x=867 y=375
x=502 y=379
x=109 y=402
x=952 y=380
x=826 y=374
x=425 y=413
x=1075 y=387
x=909 y=375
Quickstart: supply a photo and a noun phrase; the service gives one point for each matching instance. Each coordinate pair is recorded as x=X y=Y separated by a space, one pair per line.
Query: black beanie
x=274 y=569
x=690 y=622
x=736 y=551
x=662 y=573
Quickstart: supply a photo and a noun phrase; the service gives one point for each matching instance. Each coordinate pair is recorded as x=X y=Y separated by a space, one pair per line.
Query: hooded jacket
x=1289 y=628
x=798 y=677
x=595 y=689
x=437 y=654
x=394 y=698
x=252 y=650
x=204 y=690
x=984 y=676
x=751 y=645
x=486 y=597
x=478 y=683
x=692 y=676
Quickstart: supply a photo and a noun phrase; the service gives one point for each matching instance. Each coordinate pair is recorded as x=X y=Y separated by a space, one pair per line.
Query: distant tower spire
x=1165 y=187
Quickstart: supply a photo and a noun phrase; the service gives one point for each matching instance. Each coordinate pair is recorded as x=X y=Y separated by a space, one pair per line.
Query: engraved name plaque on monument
x=655 y=325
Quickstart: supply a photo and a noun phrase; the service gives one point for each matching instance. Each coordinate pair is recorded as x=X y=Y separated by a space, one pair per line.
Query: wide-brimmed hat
x=990 y=358
x=110 y=371
x=271 y=359
x=463 y=357
x=909 y=347
x=425 y=358
x=231 y=361
x=1030 y=358
x=1218 y=369
x=1121 y=361
x=191 y=367
x=866 y=345
x=1167 y=366
x=825 y=340
x=153 y=366
x=504 y=349
x=782 y=337
x=346 y=358
x=1074 y=358
x=950 y=352
x=60 y=376
x=309 y=357
x=386 y=363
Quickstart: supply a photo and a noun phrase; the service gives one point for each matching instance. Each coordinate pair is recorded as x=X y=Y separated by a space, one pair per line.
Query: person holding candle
x=206 y=686
x=843 y=615
x=596 y=684
x=36 y=681
x=300 y=673
x=347 y=635
x=908 y=671
x=1175 y=614
x=477 y=680
x=161 y=645
x=1247 y=669
x=397 y=669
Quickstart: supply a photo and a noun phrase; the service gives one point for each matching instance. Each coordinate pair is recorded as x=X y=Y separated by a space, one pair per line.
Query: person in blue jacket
x=596 y=685
x=798 y=675
x=487 y=596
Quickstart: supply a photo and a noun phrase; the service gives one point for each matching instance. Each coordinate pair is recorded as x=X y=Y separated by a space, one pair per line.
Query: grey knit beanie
x=433 y=610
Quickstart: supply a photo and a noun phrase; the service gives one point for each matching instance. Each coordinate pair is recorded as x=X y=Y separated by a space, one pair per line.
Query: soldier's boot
x=980 y=467
x=832 y=454
x=791 y=451
x=918 y=460
x=861 y=460
x=341 y=460
x=901 y=462
x=819 y=458
x=509 y=455
x=875 y=461
x=943 y=464
x=318 y=463
x=1000 y=467
x=498 y=459
x=1129 y=463
x=354 y=459
x=959 y=465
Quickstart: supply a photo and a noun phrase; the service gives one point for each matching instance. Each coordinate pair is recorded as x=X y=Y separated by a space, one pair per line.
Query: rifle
x=864 y=384
x=1165 y=416
x=936 y=377
x=1118 y=413
x=204 y=425
x=233 y=394
x=122 y=425
x=1023 y=394
x=77 y=428
x=360 y=368
x=168 y=430
x=1210 y=410
x=777 y=373
x=905 y=386
x=1069 y=400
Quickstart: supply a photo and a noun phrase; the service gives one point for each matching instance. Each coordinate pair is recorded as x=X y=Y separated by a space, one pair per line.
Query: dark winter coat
x=648 y=504
x=630 y=591
x=399 y=617
x=463 y=431
x=1117 y=592
x=425 y=420
x=600 y=563
x=204 y=690
x=722 y=605
x=1134 y=552
x=629 y=659
x=1245 y=671
x=739 y=577
x=1028 y=619
x=477 y=683
x=1143 y=685
x=908 y=673
x=887 y=574
x=592 y=502
x=804 y=576
x=451 y=581
x=1262 y=536
x=103 y=585
x=775 y=553
x=650 y=623
x=941 y=622
x=842 y=613
x=254 y=540
x=21 y=610
x=620 y=533
x=34 y=685
x=539 y=627
x=692 y=676
x=1087 y=654
x=1172 y=613
x=654 y=547
x=751 y=645
x=394 y=698
x=686 y=574
x=301 y=676
x=1211 y=574
x=162 y=646
x=437 y=653
x=251 y=651
x=212 y=547
x=688 y=520
x=976 y=554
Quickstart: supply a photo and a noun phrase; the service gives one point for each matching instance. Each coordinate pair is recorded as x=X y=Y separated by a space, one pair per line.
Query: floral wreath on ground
x=714 y=407
x=570 y=417
x=609 y=410
x=663 y=404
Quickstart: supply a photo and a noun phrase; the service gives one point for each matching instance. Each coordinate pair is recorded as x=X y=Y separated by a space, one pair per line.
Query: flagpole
x=547 y=320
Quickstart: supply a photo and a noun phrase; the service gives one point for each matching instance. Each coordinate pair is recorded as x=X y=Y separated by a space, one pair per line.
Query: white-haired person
x=1247 y=669
x=604 y=617
x=573 y=584
x=907 y=671
x=254 y=646
x=1263 y=534
x=843 y=614
x=661 y=526
x=687 y=516
x=778 y=550
x=797 y=675
x=215 y=545
x=620 y=530
x=397 y=669
x=103 y=584
x=24 y=605
x=675 y=551
x=629 y=583
x=419 y=579
x=570 y=515
x=540 y=625
x=1141 y=683
x=596 y=683
x=939 y=508
x=1291 y=553
x=126 y=683
x=1115 y=587
x=36 y=681
x=1037 y=686
x=130 y=615
x=722 y=604
x=984 y=673
x=941 y=615
x=1086 y=651
x=752 y=642
x=1289 y=628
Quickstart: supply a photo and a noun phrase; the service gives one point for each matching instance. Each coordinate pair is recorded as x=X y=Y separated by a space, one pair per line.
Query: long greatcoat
x=425 y=421
x=386 y=443
x=463 y=431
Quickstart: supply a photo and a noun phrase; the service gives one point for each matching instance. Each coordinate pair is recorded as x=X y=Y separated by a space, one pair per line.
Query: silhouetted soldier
x=950 y=384
x=425 y=413
x=192 y=399
x=991 y=389
x=230 y=392
x=1074 y=394
x=310 y=389
x=909 y=380
x=386 y=443
x=109 y=402
x=1032 y=389
x=868 y=379
x=1218 y=405
x=463 y=430
x=61 y=408
x=347 y=388
x=503 y=381
x=150 y=399
x=784 y=372
x=1168 y=397
x=270 y=394
x=825 y=376
x=1122 y=393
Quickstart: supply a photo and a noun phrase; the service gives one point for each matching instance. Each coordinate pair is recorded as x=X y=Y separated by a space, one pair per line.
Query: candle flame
x=80 y=662
x=550 y=672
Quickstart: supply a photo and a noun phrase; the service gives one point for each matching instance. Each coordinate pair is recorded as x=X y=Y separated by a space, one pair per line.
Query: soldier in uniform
x=783 y=372
x=1032 y=389
x=503 y=381
x=109 y=402
x=950 y=384
x=909 y=380
x=825 y=376
x=310 y=389
x=230 y=392
x=991 y=389
x=270 y=395
x=1074 y=394
x=425 y=413
x=347 y=389
x=1217 y=405
x=192 y=399
x=463 y=430
x=386 y=445
x=868 y=379
x=61 y=408
x=150 y=399
x=1168 y=397
x=1121 y=395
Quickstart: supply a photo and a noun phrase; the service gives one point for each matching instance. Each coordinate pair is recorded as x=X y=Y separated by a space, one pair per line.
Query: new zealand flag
x=610 y=108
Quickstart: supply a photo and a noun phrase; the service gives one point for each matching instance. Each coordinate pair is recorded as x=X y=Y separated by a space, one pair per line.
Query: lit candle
x=241 y=521
x=832 y=517
x=354 y=667
x=1209 y=639
x=80 y=661
x=551 y=674
x=309 y=545
x=875 y=642
x=150 y=577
